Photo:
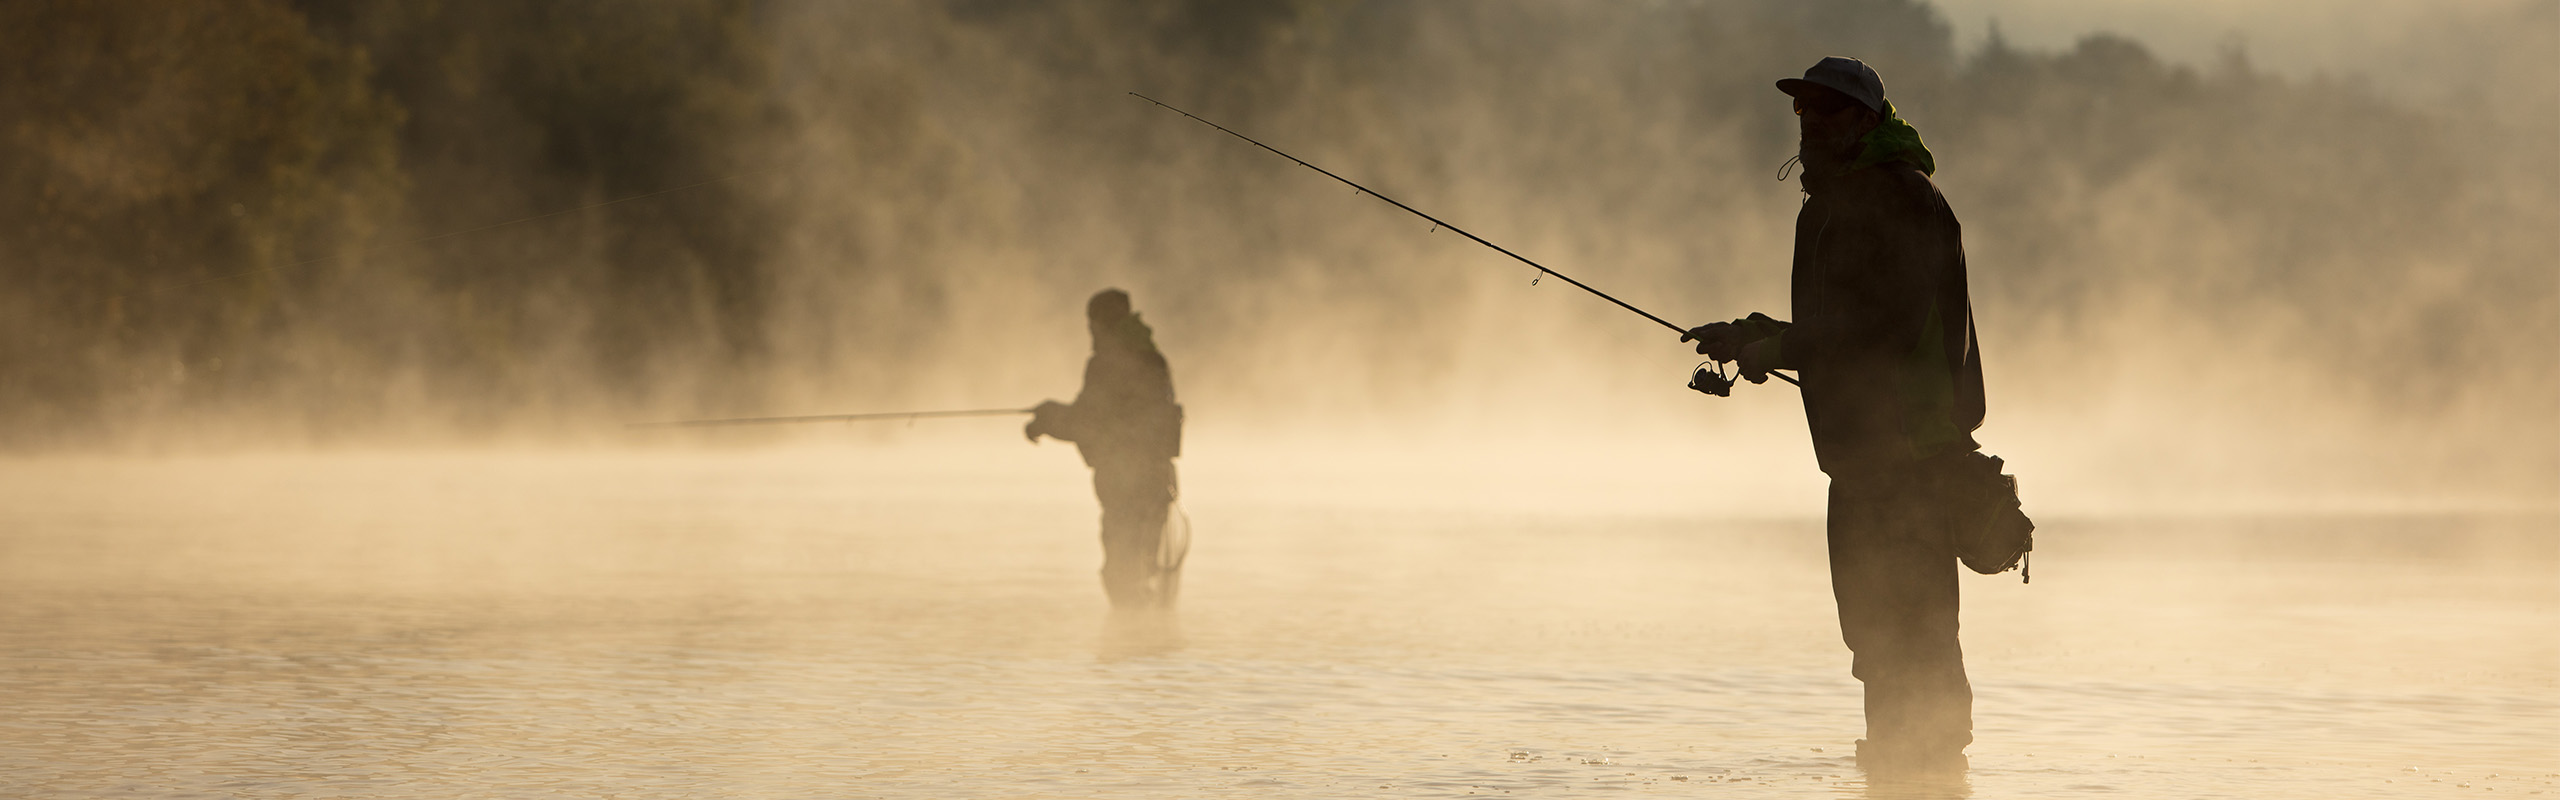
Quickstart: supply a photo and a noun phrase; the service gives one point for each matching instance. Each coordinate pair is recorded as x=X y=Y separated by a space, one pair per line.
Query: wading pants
x=1893 y=573
x=1135 y=500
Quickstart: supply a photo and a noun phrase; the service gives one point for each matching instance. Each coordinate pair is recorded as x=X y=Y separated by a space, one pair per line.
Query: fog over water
x=325 y=321
x=2228 y=272
x=918 y=619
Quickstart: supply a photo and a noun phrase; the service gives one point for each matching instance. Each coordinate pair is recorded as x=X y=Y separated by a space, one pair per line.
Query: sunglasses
x=1823 y=105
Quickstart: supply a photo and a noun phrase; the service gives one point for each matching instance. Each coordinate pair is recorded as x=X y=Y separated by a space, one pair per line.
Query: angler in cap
x=1129 y=429
x=1882 y=341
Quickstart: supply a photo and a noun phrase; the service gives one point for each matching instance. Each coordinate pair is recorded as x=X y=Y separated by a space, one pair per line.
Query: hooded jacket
x=1126 y=414
x=1882 y=335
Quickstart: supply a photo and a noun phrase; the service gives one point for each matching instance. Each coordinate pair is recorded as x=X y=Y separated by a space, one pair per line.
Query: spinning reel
x=1712 y=378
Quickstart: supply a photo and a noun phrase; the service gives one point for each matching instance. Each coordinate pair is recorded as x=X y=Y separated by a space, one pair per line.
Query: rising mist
x=2188 y=274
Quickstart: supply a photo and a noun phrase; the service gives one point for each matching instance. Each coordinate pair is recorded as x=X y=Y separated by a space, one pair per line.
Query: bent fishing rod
x=1436 y=221
x=905 y=415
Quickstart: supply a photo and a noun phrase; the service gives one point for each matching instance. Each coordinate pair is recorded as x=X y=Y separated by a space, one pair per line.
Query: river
x=860 y=622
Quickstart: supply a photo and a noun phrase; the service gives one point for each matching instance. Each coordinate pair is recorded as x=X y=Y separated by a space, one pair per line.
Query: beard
x=1827 y=156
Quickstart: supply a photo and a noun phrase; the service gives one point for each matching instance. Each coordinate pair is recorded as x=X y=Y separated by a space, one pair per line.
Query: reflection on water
x=1140 y=633
x=761 y=625
x=1915 y=788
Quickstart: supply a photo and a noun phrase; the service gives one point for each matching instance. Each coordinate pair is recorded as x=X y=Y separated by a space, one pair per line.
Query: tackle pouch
x=1987 y=523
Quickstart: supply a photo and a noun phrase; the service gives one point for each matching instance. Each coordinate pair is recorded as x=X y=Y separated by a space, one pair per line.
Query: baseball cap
x=1847 y=76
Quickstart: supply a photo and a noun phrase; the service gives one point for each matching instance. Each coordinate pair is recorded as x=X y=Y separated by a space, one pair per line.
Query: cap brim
x=1799 y=87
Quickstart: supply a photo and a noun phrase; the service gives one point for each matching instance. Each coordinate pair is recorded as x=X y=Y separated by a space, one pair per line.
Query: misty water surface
x=919 y=622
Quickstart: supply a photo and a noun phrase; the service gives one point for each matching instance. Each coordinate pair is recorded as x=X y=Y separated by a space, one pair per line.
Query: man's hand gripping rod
x=1542 y=268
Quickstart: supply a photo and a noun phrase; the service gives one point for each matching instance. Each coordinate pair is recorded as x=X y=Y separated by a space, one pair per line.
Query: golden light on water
x=906 y=618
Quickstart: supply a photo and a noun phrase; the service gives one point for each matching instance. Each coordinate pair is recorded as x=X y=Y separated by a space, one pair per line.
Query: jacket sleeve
x=1126 y=408
x=1759 y=328
x=1074 y=421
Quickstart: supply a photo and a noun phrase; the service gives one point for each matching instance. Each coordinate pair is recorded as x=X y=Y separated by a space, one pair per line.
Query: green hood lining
x=1894 y=140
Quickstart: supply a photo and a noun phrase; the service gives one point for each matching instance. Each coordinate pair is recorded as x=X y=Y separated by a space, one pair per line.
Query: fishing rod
x=907 y=415
x=1439 y=223
x=1478 y=239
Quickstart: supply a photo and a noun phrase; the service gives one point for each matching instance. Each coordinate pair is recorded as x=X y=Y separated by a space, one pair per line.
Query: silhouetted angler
x=1883 y=343
x=1129 y=429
